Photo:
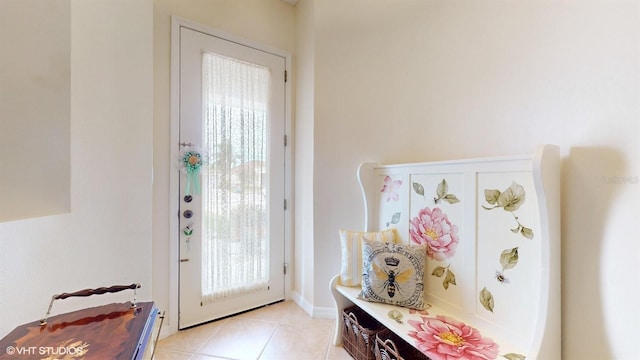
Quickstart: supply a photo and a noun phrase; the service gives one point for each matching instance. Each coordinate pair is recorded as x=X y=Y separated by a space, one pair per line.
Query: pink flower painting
x=421 y=312
x=443 y=338
x=433 y=228
x=390 y=188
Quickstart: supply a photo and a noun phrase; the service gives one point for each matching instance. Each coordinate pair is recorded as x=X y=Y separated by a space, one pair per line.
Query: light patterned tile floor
x=282 y=331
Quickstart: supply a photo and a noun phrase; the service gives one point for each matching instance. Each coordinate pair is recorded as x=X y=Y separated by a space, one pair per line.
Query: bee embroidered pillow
x=393 y=273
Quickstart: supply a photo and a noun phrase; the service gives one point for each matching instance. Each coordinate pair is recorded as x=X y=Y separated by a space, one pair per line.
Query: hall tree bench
x=491 y=274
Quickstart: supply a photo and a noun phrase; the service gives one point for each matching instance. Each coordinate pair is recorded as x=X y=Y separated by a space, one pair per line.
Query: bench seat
x=380 y=312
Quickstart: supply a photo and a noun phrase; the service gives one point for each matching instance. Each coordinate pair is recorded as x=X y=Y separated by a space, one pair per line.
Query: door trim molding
x=174 y=176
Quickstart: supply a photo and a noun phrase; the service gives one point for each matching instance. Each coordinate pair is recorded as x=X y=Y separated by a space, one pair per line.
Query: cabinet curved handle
x=89 y=292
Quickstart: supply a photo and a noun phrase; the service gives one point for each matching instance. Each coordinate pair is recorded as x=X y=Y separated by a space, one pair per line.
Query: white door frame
x=174 y=177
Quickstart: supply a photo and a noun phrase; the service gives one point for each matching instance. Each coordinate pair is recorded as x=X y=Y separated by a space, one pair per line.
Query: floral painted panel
x=508 y=251
x=393 y=209
x=437 y=220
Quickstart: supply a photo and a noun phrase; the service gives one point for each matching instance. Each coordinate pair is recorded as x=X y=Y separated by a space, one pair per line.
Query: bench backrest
x=493 y=229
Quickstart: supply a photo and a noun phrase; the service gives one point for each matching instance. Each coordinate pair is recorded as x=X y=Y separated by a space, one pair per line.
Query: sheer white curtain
x=235 y=220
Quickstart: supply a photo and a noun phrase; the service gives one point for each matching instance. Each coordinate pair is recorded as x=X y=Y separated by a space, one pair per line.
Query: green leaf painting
x=509 y=258
x=438 y=271
x=491 y=196
x=486 y=299
x=442 y=189
x=442 y=193
x=449 y=279
x=510 y=200
x=514 y=356
x=526 y=232
x=449 y=276
x=394 y=219
x=418 y=188
x=395 y=315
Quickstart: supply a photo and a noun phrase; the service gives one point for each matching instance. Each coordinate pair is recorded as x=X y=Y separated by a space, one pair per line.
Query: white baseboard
x=313 y=311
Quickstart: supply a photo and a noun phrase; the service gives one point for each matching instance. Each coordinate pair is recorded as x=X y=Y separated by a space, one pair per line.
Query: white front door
x=232 y=183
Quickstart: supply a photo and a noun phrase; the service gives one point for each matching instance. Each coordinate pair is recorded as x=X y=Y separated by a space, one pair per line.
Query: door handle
x=184 y=260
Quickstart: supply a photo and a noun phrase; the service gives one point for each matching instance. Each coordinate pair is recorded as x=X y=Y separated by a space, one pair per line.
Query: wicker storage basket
x=388 y=346
x=359 y=333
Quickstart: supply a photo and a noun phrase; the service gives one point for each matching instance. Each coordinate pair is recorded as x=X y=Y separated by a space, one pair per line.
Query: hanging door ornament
x=188 y=231
x=191 y=161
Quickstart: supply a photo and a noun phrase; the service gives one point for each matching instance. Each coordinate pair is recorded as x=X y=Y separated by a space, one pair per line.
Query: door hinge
x=285 y=204
x=286 y=140
x=285 y=76
x=285 y=267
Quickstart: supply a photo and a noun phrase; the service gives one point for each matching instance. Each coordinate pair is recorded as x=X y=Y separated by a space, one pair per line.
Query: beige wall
x=379 y=81
x=453 y=80
x=106 y=238
x=268 y=22
x=304 y=146
x=429 y=80
x=35 y=101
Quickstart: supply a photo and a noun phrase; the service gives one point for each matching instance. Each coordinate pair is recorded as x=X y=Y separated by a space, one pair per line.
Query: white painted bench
x=507 y=262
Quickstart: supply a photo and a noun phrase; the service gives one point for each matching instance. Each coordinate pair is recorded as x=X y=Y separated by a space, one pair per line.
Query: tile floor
x=281 y=331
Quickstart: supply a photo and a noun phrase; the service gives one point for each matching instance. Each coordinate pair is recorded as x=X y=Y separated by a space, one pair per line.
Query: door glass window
x=235 y=251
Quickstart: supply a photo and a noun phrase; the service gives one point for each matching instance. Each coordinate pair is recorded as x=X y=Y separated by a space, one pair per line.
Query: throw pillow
x=393 y=273
x=351 y=244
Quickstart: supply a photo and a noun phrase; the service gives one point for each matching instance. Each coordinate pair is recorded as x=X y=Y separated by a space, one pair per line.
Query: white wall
x=403 y=81
x=270 y=23
x=106 y=238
